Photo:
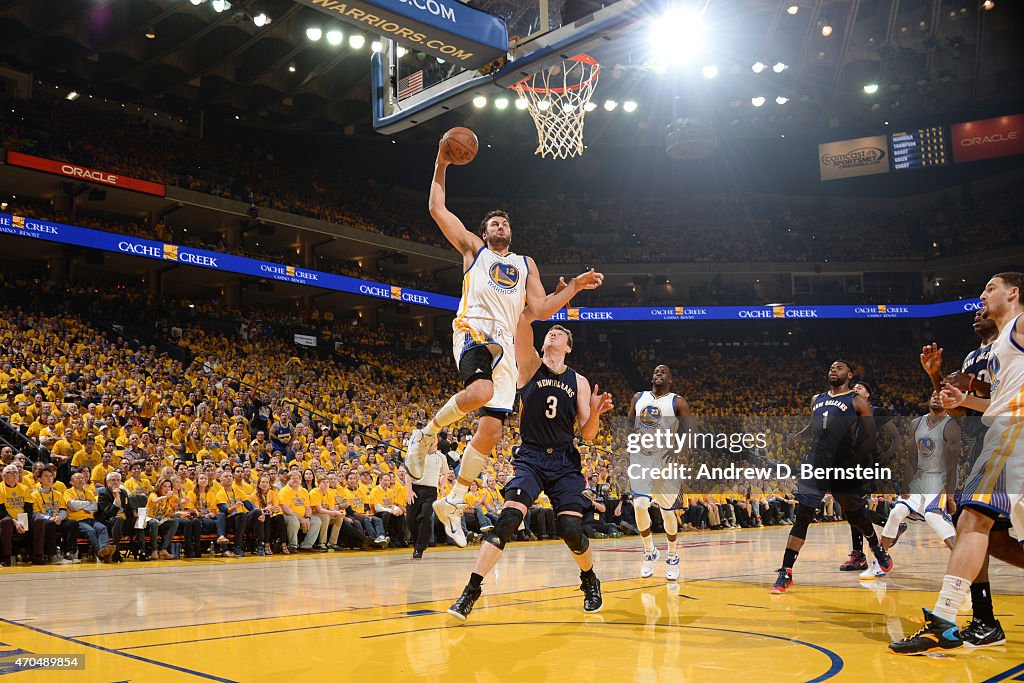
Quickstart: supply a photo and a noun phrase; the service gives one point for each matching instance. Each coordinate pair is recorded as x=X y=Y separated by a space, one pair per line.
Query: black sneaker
x=417 y=554
x=884 y=559
x=591 y=595
x=857 y=562
x=784 y=581
x=983 y=634
x=936 y=635
x=464 y=605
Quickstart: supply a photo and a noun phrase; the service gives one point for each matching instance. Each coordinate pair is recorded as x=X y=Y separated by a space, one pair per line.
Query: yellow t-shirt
x=74 y=494
x=14 y=498
x=163 y=509
x=358 y=499
x=297 y=499
x=141 y=487
x=48 y=504
x=99 y=473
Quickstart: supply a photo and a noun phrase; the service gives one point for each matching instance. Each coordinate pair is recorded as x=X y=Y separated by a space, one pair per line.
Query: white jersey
x=493 y=292
x=931 y=445
x=655 y=413
x=1006 y=373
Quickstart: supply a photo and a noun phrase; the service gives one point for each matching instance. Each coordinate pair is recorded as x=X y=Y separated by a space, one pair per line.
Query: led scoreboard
x=918 y=148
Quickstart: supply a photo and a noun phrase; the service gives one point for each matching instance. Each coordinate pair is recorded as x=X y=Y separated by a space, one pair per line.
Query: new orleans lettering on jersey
x=833 y=429
x=549 y=408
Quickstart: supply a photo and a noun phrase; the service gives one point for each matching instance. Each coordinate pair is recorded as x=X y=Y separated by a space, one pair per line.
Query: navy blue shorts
x=556 y=471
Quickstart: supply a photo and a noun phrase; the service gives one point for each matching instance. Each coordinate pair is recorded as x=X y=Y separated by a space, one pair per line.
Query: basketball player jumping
x=835 y=443
x=995 y=483
x=497 y=285
x=930 y=480
x=555 y=400
x=658 y=409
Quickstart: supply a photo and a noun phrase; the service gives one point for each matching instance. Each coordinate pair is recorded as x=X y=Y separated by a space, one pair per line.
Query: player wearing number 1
x=496 y=287
x=555 y=399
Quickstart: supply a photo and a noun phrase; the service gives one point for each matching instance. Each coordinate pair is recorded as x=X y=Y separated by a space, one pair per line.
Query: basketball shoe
x=592 y=600
x=783 y=583
x=857 y=562
x=647 y=568
x=461 y=608
x=983 y=634
x=416 y=455
x=936 y=635
x=450 y=516
x=672 y=570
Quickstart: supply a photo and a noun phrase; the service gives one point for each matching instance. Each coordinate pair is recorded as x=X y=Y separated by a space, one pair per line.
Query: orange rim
x=521 y=86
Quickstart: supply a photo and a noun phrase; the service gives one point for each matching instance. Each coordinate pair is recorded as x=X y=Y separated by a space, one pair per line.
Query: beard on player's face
x=496 y=242
x=838 y=379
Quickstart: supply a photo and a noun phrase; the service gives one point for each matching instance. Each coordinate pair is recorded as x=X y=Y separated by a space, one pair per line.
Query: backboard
x=410 y=87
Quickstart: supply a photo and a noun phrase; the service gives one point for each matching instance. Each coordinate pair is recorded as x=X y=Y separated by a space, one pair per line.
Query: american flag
x=410 y=85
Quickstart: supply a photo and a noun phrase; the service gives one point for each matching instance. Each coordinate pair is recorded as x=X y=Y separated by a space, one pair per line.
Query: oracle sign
x=83 y=173
x=998 y=137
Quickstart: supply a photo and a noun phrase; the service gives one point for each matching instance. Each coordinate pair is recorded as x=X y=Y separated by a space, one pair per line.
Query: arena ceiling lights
x=676 y=38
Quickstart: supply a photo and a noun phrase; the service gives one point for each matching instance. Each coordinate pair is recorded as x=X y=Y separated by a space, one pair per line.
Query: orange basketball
x=460 y=145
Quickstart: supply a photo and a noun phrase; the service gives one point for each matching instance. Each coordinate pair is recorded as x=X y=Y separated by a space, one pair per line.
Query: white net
x=557 y=99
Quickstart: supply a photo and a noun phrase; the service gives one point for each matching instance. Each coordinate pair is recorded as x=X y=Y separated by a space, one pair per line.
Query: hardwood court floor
x=380 y=617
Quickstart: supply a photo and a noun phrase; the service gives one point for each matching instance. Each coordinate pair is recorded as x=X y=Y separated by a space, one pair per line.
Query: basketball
x=460 y=144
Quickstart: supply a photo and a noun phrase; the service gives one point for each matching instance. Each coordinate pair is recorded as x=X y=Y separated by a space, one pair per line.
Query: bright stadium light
x=402 y=52
x=376 y=46
x=757 y=101
x=197 y=3
x=356 y=41
x=568 y=108
x=479 y=101
x=501 y=103
x=72 y=96
x=521 y=104
x=676 y=37
x=261 y=20
x=334 y=37
x=544 y=105
x=781 y=99
x=710 y=71
x=758 y=67
x=826 y=30
x=629 y=107
x=792 y=10
x=314 y=33
x=220 y=6
x=779 y=67
x=871 y=88
x=589 y=106
x=609 y=105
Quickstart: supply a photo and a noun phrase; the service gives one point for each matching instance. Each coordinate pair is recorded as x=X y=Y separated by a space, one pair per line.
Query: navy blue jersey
x=549 y=409
x=976 y=363
x=834 y=428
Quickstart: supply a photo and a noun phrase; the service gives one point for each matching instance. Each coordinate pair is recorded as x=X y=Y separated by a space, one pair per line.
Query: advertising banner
x=22 y=226
x=989 y=138
x=82 y=173
x=852 y=158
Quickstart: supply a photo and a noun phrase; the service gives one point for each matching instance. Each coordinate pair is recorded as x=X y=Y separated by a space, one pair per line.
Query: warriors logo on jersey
x=503 y=276
x=650 y=416
x=926 y=447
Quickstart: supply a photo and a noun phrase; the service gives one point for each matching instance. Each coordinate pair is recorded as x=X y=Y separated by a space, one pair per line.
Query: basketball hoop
x=557 y=99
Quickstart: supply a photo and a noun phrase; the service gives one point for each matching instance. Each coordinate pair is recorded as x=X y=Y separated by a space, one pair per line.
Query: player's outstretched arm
x=955 y=398
x=466 y=242
x=526 y=353
x=931 y=361
x=546 y=305
x=589 y=407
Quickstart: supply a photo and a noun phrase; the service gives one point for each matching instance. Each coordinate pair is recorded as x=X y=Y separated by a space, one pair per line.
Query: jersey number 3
x=552 y=410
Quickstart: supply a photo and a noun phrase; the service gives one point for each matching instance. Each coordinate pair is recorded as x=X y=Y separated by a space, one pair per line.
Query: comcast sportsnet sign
x=87 y=175
x=852 y=158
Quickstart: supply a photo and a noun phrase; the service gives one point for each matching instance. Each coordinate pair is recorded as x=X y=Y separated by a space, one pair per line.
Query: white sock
x=458 y=493
x=648 y=542
x=448 y=414
x=951 y=597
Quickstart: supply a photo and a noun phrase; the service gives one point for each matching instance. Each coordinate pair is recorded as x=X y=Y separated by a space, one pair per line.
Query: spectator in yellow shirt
x=161 y=523
x=105 y=467
x=269 y=525
x=388 y=500
x=48 y=503
x=358 y=498
x=82 y=507
x=294 y=500
x=16 y=500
